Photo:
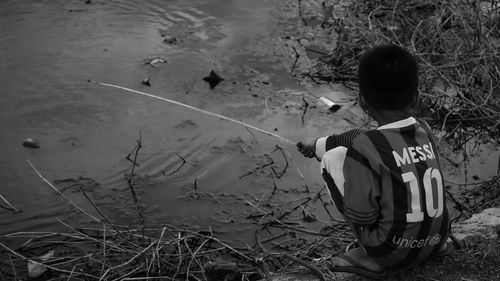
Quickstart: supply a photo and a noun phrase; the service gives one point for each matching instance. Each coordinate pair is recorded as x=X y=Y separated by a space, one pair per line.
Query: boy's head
x=388 y=78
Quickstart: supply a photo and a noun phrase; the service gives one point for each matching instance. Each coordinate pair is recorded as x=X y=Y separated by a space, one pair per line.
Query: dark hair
x=388 y=77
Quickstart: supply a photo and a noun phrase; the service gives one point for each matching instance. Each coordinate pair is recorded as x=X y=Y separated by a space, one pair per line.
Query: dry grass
x=105 y=251
x=457 y=45
x=120 y=253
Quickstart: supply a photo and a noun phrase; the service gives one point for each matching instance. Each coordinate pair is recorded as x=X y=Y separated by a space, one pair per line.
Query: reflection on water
x=48 y=50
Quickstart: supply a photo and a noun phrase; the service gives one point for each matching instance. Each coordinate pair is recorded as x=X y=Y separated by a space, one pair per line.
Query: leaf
x=47 y=256
x=36 y=269
x=213 y=79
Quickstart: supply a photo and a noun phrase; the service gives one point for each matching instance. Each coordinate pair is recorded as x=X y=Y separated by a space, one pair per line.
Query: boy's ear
x=362 y=103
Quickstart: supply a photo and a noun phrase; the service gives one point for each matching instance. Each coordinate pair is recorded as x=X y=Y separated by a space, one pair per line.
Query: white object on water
x=331 y=105
x=36 y=269
x=328 y=102
x=154 y=61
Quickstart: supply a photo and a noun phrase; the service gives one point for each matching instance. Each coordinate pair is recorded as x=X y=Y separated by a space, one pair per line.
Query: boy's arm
x=362 y=185
x=345 y=139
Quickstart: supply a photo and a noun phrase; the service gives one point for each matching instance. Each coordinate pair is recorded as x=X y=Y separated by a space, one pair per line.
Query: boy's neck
x=387 y=117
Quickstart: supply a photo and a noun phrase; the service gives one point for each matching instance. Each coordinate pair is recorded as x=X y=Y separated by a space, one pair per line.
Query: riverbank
x=119 y=253
x=477 y=259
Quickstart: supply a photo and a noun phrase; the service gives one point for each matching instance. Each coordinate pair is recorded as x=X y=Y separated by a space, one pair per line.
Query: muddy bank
x=479 y=235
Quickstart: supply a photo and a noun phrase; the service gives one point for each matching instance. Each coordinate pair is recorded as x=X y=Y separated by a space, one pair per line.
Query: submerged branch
x=136 y=149
x=10 y=207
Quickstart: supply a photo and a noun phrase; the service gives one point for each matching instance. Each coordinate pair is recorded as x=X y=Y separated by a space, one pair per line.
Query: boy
x=387 y=182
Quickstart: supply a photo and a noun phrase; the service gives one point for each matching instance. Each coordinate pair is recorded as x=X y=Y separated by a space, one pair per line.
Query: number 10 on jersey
x=432 y=183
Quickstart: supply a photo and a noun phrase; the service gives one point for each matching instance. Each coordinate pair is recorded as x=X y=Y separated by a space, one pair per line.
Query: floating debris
x=154 y=61
x=36 y=269
x=213 y=79
x=147 y=81
x=306 y=106
x=31 y=143
x=170 y=40
x=332 y=106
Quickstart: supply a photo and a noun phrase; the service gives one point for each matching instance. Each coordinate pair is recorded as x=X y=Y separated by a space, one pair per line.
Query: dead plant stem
x=59 y=192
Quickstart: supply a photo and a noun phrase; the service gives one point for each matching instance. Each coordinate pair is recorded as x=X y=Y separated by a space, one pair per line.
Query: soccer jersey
x=393 y=192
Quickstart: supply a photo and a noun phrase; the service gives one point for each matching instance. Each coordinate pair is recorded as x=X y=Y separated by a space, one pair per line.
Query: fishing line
x=197 y=109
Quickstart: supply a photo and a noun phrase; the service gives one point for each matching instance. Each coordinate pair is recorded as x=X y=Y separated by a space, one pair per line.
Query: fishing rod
x=196 y=109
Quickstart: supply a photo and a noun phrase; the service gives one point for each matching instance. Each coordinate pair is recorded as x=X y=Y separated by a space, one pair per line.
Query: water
x=48 y=51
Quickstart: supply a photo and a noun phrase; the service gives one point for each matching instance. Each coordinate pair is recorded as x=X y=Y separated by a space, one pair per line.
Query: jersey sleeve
x=345 y=139
x=361 y=186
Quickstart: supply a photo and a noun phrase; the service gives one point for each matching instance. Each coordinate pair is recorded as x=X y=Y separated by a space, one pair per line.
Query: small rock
x=480 y=227
x=221 y=270
x=303 y=42
x=30 y=143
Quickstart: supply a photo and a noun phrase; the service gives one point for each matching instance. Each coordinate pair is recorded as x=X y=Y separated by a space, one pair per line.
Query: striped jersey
x=393 y=191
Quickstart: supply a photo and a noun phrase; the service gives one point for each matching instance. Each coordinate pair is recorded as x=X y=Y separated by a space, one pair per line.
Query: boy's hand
x=307 y=147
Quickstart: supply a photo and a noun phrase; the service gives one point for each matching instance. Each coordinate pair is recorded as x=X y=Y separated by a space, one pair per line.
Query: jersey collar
x=399 y=124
